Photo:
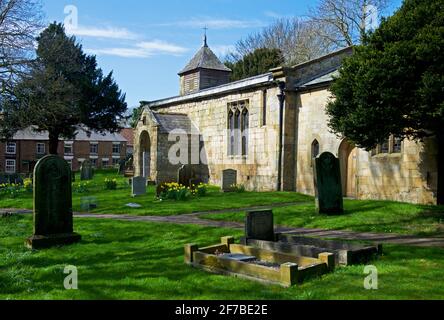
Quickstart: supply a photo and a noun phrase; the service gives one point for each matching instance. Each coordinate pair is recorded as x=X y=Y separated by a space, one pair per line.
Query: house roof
x=173 y=122
x=30 y=134
x=128 y=134
x=319 y=79
x=205 y=59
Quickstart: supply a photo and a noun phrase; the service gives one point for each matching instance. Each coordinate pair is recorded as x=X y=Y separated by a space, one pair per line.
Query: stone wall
x=409 y=176
x=257 y=171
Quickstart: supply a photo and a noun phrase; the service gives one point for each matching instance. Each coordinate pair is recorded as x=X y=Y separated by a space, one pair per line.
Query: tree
x=253 y=64
x=63 y=90
x=20 y=21
x=343 y=23
x=394 y=83
x=294 y=37
x=135 y=117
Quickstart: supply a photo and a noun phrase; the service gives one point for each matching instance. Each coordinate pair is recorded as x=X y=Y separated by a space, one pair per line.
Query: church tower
x=204 y=71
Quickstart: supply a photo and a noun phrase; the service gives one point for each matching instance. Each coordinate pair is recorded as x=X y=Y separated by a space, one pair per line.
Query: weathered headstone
x=259 y=225
x=328 y=185
x=229 y=179
x=138 y=186
x=53 y=217
x=122 y=166
x=86 y=171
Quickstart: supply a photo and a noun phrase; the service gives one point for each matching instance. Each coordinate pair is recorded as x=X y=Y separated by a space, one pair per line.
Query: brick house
x=20 y=154
x=128 y=134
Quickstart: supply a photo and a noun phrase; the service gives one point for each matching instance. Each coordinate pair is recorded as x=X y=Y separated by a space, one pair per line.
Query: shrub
x=82 y=187
x=110 y=184
x=239 y=188
x=27 y=184
x=11 y=190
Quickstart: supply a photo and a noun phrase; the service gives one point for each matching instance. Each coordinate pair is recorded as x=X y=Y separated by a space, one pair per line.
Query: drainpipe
x=281 y=97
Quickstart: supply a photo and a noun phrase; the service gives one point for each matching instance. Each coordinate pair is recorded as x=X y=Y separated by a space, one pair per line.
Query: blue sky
x=146 y=42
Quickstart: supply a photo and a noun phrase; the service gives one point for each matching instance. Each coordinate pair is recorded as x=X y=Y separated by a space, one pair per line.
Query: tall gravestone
x=229 y=178
x=328 y=185
x=138 y=186
x=86 y=171
x=53 y=217
x=259 y=225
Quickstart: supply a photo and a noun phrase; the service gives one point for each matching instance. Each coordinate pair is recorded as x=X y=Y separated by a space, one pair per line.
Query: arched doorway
x=348 y=155
x=145 y=154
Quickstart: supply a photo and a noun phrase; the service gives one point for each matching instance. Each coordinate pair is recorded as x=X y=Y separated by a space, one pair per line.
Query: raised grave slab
x=345 y=253
x=257 y=264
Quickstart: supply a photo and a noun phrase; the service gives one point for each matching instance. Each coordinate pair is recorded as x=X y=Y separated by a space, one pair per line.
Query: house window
x=105 y=163
x=10 y=166
x=11 y=148
x=94 y=148
x=93 y=162
x=116 y=161
x=238 y=128
x=41 y=148
x=68 y=148
x=385 y=146
x=397 y=145
x=116 y=148
x=69 y=163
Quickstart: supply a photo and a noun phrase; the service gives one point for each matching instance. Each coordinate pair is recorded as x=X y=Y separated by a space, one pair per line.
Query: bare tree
x=343 y=23
x=20 y=21
x=295 y=37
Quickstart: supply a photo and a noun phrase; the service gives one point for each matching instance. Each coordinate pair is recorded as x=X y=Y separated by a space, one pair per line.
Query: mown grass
x=364 y=216
x=115 y=201
x=134 y=260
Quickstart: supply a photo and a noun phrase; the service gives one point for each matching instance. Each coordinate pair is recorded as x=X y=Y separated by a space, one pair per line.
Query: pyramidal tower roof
x=205 y=59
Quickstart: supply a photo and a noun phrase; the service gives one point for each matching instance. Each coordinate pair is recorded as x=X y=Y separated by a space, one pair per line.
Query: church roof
x=173 y=122
x=205 y=59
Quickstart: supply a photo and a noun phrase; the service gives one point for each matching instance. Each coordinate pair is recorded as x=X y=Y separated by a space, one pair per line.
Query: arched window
x=230 y=133
x=238 y=128
x=315 y=149
x=245 y=128
x=237 y=132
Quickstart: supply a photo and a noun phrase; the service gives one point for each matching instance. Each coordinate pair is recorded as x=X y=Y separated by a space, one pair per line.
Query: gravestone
x=53 y=217
x=122 y=166
x=73 y=176
x=259 y=225
x=138 y=186
x=328 y=185
x=184 y=175
x=229 y=179
x=86 y=171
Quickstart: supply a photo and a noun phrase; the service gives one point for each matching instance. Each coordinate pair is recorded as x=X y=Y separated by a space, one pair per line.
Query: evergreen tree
x=63 y=90
x=253 y=64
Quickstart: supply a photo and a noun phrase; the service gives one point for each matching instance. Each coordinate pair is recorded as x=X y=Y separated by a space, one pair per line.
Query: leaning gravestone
x=53 y=217
x=328 y=185
x=86 y=171
x=259 y=225
x=138 y=186
x=229 y=179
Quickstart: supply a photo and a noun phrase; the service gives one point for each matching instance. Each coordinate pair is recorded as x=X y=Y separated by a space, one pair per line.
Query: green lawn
x=114 y=202
x=133 y=260
x=365 y=216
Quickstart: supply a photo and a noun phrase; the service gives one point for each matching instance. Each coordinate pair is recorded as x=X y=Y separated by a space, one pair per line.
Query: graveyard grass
x=115 y=201
x=361 y=216
x=130 y=260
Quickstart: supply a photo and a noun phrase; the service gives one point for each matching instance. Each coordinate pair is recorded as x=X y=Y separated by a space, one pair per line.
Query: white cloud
x=94 y=32
x=273 y=14
x=214 y=23
x=144 y=49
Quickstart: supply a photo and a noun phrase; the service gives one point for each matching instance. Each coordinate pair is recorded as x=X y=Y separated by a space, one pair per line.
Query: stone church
x=268 y=128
